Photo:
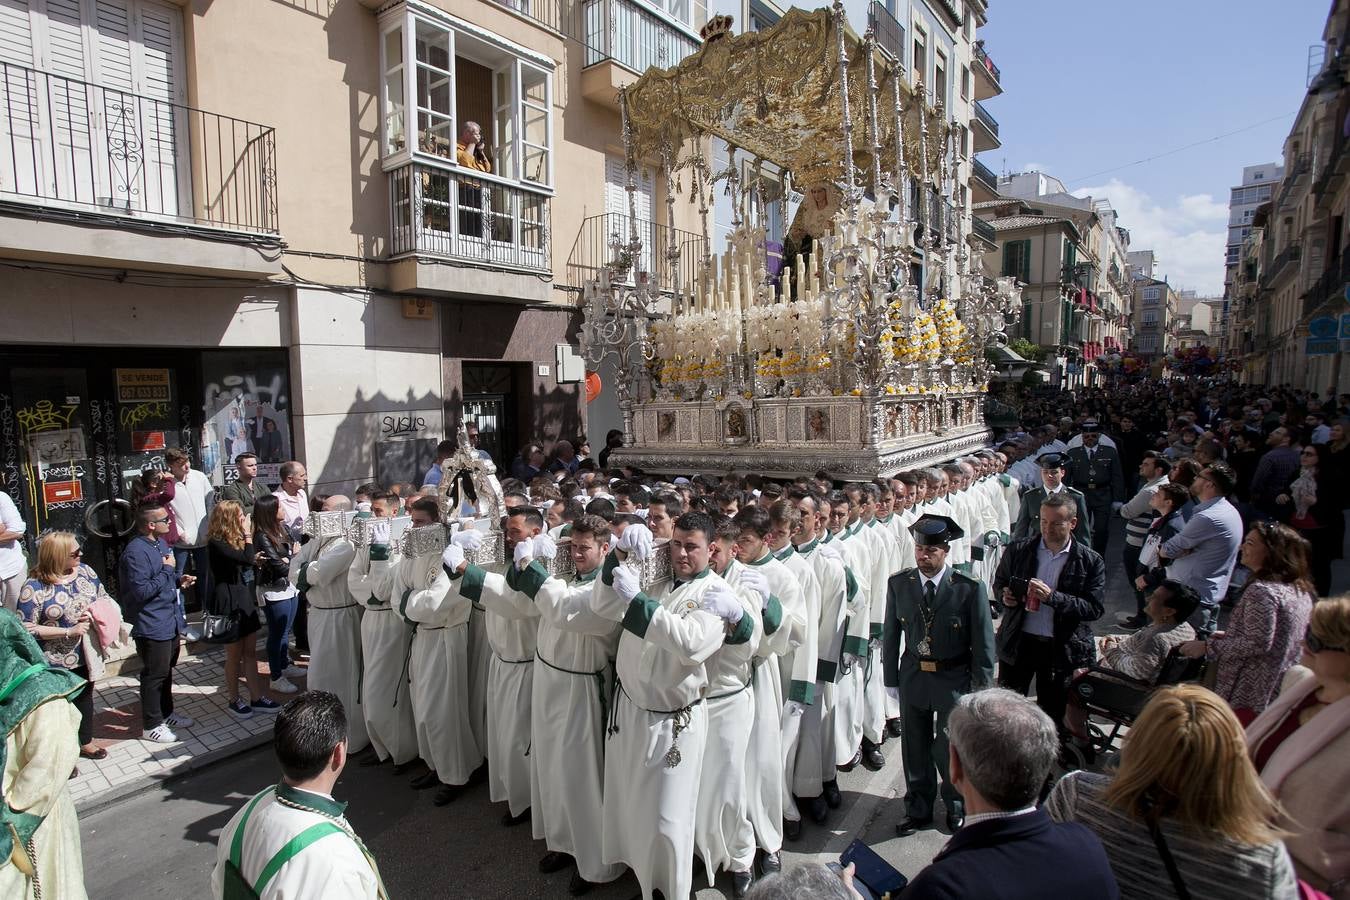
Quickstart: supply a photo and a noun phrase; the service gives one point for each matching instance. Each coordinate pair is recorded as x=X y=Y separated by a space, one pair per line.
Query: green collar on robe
x=308 y=800
x=809 y=546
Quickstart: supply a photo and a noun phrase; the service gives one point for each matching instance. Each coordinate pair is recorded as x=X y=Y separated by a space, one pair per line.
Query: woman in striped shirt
x=1186 y=789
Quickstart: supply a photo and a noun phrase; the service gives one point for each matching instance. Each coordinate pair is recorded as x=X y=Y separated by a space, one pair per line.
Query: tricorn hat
x=930 y=530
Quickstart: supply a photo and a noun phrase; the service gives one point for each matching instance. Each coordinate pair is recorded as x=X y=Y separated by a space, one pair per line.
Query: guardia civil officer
x=1094 y=469
x=943 y=619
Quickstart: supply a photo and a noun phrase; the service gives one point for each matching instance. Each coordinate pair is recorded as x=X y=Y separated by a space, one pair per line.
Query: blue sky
x=1092 y=86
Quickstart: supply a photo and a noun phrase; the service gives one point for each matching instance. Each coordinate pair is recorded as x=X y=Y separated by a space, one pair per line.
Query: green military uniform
x=948 y=651
x=1098 y=475
x=1029 y=519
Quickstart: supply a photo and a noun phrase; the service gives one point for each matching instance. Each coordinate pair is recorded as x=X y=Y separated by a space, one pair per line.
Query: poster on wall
x=246 y=409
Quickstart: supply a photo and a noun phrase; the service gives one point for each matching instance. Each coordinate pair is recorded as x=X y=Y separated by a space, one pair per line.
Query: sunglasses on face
x=1315 y=644
x=77 y=553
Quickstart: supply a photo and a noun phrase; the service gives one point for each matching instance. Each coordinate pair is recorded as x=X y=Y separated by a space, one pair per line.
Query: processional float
x=858 y=346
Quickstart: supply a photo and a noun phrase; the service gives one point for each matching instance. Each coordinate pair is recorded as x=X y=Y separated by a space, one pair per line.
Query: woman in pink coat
x=1263 y=637
x=1301 y=746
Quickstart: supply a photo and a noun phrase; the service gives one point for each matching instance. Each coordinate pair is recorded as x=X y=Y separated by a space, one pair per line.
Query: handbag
x=222 y=628
x=1178 y=883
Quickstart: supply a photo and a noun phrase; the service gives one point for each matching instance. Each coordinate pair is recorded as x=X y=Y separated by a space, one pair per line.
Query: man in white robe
x=437 y=663
x=888 y=516
x=385 y=701
x=723 y=835
x=572 y=691
x=857 y=558
x=292 y=840
x=813 y=769
x=512 y=628
x=654 y=759
x=319 y=571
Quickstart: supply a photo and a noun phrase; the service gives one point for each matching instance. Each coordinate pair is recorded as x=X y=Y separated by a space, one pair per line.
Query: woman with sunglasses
x=1301 y=745
x=54 y=606
x=1262 y=639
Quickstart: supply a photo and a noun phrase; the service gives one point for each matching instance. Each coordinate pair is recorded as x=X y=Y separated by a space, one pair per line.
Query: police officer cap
x=1091 y=427
x=930 y=530
x=1051 y=460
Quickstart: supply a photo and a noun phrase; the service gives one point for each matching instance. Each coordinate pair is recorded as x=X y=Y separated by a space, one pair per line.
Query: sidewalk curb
x=186 y=767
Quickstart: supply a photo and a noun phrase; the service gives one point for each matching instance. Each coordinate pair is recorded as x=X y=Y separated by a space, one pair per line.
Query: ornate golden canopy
x=775 y=95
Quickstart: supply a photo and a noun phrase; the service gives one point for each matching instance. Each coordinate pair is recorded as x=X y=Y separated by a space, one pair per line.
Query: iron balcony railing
x=444 y=212
x=603 y=242
x=1331 y=284
x=983 y=230
x=890 y=34
x=633 y=36
x=555 y=14
x=982 y=56
x=1291 y=254
x=70 y=143
x=987 y=120
x=1295 y=176
x=985 y=174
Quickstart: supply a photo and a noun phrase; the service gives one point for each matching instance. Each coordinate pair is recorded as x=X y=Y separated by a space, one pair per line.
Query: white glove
x=829 y=551
x=453 y=557
x=991 y=539
x=469 y=539
x=894 y=694
x=852 y=660
x=363 y=507
x=1116 y=505
x=793 y=708
x=636 y=541
x=379 y=531
x=544 y=547
x=524 y=553
x=721 y=602
x=754 y=580
x=626 y=583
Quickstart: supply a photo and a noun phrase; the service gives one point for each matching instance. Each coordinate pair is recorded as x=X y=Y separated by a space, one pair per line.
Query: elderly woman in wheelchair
x=1131 y=667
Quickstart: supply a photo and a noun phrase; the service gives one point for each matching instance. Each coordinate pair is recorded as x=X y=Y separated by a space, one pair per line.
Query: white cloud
x=1034 y=167
x=1188 y=234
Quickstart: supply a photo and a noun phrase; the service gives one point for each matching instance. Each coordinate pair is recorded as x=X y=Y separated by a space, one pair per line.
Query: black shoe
x=740 y=884
x=479 y=775
x=852 y=763
x=910 y=824
x=400 y=768
x=955 y=819
x=818 y=809
x=447 y=794
x=769 y=863
x=510 y=821
x=832 y=796
x=792 y=830
x=1136 y=621
x=372 y=760
x=578 y=885
x=426 y=780
x=893 y=727
x=871 y=756
x=553 y=861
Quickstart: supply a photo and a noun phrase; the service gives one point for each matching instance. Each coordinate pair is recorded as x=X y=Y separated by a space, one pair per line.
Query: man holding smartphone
x=1050 y=586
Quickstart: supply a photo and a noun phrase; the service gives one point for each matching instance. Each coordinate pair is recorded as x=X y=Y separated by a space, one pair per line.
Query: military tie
x=929 y=594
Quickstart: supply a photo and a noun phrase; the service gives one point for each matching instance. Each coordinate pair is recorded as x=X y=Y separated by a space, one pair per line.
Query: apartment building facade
x=1155 y=318
x=252 y=225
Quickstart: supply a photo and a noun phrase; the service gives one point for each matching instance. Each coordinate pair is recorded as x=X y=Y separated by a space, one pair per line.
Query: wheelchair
x=1106 y=694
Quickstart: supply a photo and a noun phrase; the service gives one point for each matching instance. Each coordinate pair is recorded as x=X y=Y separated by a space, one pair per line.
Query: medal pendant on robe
x=924 y=648
x=673 y=757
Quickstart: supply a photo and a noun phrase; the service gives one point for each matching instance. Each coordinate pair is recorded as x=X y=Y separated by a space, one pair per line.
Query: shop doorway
x=78 y=425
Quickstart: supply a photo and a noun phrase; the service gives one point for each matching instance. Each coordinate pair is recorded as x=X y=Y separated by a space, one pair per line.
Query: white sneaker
x=162 y=734
x=295 y=672
x=177 y=720
x=282 y=686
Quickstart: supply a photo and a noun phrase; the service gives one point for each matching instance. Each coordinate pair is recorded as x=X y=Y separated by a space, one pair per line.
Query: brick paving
x=134 y=764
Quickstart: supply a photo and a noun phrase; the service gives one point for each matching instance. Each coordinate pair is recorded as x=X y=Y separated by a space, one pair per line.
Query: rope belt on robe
x=680 y=719
x=599 y=677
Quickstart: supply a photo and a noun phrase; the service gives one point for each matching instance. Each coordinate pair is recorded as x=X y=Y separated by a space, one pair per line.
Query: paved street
x=460 y=850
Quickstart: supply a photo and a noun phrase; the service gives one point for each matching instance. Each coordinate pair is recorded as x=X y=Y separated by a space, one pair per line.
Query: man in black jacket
x=1051 y=587
x=1094 y=469
x=1002 y=748
x=1052 y=482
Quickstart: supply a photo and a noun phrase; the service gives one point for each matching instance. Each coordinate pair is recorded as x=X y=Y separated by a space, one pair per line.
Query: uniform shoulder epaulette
x=962 y=576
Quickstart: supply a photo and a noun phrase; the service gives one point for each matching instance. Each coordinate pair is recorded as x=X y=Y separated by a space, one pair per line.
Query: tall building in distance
x=1257 y=187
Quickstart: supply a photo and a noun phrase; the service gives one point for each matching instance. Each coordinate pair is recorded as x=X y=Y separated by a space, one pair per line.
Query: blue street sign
x=1323 y=327
x=1321 y=346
